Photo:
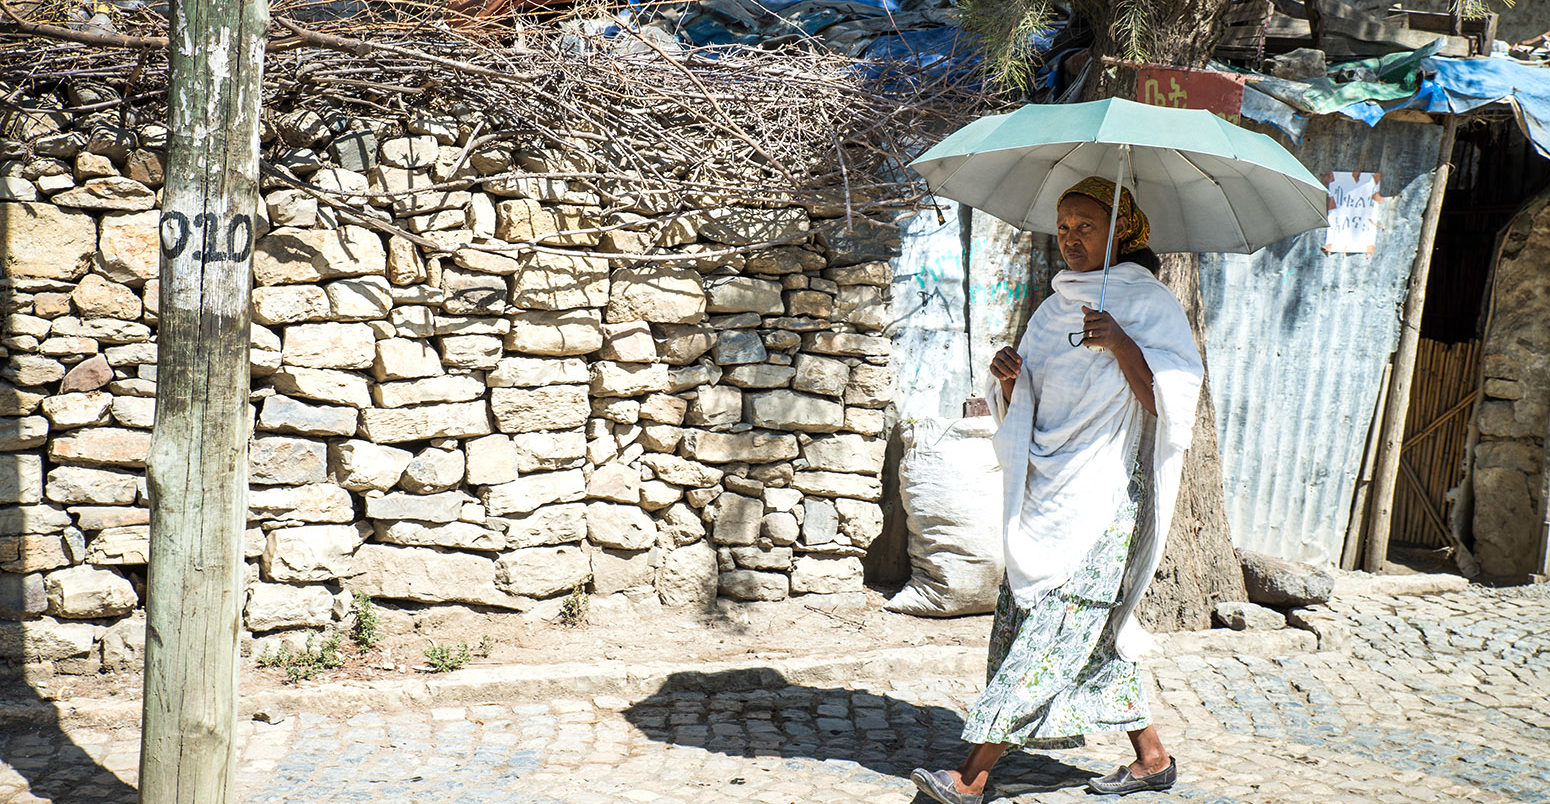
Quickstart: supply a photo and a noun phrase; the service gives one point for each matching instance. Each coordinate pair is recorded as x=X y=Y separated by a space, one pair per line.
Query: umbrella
x=1204 y=183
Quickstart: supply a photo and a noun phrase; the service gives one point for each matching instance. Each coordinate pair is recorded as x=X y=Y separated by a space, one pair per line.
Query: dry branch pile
x=632 y=115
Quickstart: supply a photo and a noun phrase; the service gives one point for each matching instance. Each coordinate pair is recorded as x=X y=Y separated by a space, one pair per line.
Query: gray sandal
x=1122 y=783
x=939 y=786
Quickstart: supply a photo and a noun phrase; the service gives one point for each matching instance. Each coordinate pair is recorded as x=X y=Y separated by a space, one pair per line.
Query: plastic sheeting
x=1415 y=80
x=1469 y=83
x=922 y=32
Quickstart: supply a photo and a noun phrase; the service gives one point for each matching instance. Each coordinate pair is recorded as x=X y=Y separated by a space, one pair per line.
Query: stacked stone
x=443 y=418
x=77 y=382
x=1509 y=458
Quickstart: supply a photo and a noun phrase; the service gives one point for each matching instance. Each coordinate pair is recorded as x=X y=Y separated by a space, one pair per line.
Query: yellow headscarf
x=1132 y=237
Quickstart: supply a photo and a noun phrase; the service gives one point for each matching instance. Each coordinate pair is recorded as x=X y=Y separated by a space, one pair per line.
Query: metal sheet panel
x=962 y=288
x=1296 y=344
x=1008 y=277
x=930 y=327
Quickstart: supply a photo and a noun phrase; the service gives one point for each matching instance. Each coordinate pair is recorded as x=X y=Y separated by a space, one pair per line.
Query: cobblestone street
x=1432 y=698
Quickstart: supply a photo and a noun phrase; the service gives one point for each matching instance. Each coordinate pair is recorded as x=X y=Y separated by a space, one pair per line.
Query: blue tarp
x=928 y=48
x=883 y=5
x=1266 y=108
x=1464 y=84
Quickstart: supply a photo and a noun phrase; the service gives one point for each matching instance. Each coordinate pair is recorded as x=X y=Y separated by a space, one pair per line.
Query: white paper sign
x=1353 y=212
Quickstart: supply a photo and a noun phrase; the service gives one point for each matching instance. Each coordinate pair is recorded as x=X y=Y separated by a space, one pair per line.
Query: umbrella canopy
x=1205 y=184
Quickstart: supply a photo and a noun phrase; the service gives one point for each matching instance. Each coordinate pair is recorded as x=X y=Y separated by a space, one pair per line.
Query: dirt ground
x=645 y=631
x=614 y=628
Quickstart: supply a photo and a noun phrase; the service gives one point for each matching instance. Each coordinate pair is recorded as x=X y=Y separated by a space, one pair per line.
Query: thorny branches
x=640 y=120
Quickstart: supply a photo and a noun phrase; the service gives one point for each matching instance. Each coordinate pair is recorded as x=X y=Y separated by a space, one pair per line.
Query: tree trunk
x=197 y=469
x=1198 y=567
x=1180 y=33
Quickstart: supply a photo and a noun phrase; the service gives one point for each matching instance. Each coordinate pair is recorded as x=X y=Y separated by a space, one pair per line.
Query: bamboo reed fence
x=1442 y=400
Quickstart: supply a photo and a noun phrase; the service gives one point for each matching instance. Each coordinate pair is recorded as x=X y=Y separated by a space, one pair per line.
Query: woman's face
x=1081 y=225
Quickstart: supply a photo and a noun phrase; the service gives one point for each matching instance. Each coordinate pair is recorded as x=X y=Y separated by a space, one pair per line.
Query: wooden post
x=1352 y=552
x=1543 y=568
x=1315 y=17
x=197 y=469
x=1387 y=473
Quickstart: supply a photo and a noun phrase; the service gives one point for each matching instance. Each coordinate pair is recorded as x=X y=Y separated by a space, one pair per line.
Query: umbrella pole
x=1108 y=246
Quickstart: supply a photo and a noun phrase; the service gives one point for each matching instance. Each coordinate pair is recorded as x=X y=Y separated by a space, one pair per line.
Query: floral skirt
x=1054 y=674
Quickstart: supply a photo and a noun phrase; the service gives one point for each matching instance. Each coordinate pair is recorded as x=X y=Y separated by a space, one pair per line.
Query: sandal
x=939 y=786
x=1122 y=783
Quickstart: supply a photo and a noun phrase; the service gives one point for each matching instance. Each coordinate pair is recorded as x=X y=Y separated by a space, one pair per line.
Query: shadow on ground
x=37 y=748
x=756 y=713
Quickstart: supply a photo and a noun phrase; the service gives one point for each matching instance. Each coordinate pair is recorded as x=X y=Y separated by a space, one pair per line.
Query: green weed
x=573 y=611
x=443 y=659
x=307 y=662
x=365 y=633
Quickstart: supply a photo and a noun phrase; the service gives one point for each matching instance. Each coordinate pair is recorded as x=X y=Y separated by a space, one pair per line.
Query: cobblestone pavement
x=1437 y=698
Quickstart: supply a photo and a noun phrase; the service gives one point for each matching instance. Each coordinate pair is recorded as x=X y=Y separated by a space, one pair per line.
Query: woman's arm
x=1100 y=329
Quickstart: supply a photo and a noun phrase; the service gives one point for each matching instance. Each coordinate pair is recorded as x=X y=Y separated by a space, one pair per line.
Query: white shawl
x=1065 y=435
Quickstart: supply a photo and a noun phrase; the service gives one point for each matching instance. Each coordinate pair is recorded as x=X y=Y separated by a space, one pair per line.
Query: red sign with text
x=1216 y=92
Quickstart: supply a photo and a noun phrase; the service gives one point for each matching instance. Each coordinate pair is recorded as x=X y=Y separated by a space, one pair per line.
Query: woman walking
x=1091 y=443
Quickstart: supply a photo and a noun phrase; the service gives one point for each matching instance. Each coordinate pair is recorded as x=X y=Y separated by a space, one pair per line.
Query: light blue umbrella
x=1205 y=184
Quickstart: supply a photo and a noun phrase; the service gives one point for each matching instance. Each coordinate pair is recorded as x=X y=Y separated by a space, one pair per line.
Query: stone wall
x=1515 y=408
x=435 y=423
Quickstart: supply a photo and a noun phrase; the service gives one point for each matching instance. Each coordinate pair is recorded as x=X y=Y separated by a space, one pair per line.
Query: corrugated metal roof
x=1296 y=344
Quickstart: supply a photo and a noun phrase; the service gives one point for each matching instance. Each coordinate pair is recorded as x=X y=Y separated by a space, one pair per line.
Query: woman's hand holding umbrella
x=1101 y=331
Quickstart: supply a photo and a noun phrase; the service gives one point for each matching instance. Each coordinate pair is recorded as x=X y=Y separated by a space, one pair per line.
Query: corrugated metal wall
x=1296 y=343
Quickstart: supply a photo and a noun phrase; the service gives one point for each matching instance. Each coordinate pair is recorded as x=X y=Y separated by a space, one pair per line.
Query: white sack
x=950 y=484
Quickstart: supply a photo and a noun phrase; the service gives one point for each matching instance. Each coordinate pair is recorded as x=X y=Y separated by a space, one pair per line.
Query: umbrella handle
x=1108 y=246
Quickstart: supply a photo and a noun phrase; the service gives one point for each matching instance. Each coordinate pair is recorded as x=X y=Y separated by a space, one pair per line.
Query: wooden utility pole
x=1394 y=413
x=197 y=470
x=1351 y=553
